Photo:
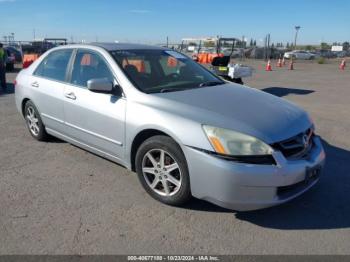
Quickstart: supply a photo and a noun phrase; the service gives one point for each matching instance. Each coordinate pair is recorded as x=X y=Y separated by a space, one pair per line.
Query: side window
x=54 y=66
x=89 y=65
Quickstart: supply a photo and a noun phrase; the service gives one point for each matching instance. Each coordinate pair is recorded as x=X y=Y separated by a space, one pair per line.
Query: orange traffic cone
x=291 y=65
x=279 y=63
x=342 y=65
x=268 y=66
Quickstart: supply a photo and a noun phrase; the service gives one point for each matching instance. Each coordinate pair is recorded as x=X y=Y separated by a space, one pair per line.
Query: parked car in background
x=327 y=54
x=341 y=54
x=17 y=53
x=297 y=54
x=315 y=54
x=184 y=130
x=10 y=62
x=191 y=48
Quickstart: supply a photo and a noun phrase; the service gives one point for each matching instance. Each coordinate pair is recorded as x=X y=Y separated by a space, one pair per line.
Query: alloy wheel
x=32 y=121
x=161 y=172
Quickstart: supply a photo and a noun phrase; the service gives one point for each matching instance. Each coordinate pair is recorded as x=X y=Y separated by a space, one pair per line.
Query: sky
x=151 y=21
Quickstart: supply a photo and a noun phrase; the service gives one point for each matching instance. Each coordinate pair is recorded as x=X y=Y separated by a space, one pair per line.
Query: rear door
x=47 y=85
x=94 y=119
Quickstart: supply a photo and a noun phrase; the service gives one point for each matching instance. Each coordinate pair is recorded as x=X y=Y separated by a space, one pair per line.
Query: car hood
x=238 y=108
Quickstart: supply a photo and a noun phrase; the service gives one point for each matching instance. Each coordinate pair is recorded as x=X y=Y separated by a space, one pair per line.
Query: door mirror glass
x=100 y=85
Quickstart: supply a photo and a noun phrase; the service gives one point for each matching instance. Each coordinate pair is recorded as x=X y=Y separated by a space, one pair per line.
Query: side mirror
x=100 y=85
x=117 y=91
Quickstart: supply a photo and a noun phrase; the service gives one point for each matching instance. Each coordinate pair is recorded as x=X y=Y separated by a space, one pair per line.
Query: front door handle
x=35 y=84
x=70 y=95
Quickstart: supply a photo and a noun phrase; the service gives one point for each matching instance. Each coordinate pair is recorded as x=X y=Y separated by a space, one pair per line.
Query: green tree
x=325 y=46
x=209 y=44
x=308 y=47
x=254 y=43
x=346 y=46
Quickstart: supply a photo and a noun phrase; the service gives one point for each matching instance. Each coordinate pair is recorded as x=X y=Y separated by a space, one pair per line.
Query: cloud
x=138 y=11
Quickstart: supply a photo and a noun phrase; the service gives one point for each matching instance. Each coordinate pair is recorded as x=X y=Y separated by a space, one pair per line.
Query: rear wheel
x=34 y=122
x=162 y=170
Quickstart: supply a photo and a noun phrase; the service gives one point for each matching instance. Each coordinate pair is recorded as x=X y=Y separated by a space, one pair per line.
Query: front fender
x=185 y=132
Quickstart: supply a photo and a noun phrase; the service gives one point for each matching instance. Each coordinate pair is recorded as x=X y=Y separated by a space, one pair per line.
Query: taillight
x=15 y=83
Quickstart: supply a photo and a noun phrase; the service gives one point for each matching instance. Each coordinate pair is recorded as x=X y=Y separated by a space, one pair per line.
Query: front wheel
x=162 y=170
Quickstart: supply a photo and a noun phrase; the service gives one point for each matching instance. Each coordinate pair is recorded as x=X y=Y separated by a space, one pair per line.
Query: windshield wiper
x=211 y=83
x=167 y=90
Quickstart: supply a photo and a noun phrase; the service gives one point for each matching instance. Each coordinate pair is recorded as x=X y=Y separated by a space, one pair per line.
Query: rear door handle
x=35 y=84
x=70 y=95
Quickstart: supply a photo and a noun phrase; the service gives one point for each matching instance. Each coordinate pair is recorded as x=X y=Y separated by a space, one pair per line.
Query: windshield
x=154 y=71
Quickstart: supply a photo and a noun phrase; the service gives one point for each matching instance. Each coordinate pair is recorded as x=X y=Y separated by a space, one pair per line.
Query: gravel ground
x=59 y=199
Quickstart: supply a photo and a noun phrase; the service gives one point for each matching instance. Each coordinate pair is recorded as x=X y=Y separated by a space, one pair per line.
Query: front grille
x=296 y=147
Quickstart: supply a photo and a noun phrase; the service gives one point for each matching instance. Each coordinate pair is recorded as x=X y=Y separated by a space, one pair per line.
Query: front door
x=94 y=119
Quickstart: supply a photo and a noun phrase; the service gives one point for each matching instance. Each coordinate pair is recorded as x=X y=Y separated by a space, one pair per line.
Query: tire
x=156 y=178
x=34 y=123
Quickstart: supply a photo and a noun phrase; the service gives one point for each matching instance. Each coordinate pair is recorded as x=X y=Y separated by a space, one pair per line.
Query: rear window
x=54 y=66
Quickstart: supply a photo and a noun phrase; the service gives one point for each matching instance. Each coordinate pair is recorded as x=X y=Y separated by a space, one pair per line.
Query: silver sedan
x=182 y=129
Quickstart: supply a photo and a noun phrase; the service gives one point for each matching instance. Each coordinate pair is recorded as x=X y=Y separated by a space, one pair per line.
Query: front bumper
x=244 y=187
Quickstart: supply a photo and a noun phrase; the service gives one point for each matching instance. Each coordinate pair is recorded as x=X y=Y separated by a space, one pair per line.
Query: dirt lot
x=59 y=199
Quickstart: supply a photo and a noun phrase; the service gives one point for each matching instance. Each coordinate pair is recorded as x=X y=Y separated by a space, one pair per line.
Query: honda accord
x=182 y=129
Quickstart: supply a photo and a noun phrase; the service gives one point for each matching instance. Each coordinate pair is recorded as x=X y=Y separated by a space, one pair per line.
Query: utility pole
x=267 y=47
x=297 y=28
x=242 y=48
x=167 y=41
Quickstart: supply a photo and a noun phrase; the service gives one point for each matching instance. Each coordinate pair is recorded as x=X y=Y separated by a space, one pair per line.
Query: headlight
x=229 y=142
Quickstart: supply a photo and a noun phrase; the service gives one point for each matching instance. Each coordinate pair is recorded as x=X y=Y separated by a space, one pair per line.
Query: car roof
x=126 y=46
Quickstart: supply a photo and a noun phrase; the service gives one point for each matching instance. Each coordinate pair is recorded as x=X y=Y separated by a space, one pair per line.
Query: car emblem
x=305 y=140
